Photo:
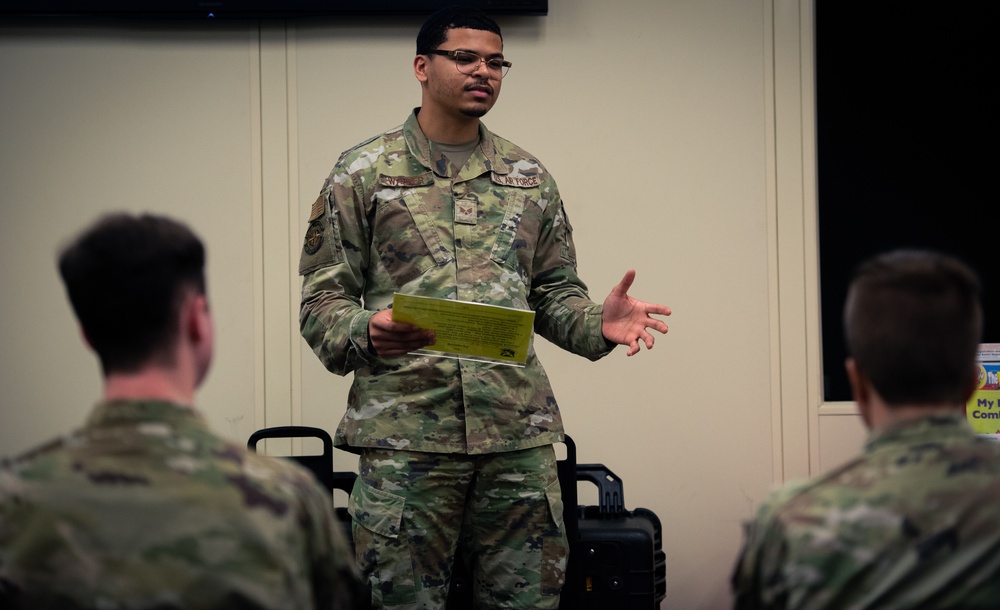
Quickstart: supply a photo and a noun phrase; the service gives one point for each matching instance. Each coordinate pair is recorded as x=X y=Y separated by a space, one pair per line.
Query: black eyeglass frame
x=501 y=68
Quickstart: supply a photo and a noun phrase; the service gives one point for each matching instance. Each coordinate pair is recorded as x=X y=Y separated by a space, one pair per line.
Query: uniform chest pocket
x=518 y=232
x=406 y=240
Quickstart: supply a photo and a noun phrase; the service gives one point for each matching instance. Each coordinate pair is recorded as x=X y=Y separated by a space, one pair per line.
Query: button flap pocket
x=378 y=511
x=554 y=496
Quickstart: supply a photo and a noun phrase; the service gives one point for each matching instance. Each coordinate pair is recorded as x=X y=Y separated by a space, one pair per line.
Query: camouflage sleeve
x=746 y=579
x=332 y=265
x=564 y=313
x=336 y=581
x=758 y=580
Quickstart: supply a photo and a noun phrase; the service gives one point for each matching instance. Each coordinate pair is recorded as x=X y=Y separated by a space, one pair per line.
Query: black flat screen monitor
x=250 y=9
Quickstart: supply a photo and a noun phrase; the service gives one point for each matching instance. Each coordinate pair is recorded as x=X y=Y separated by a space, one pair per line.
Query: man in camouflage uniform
x=452 y=449
x=912 y=522
x=144 y=507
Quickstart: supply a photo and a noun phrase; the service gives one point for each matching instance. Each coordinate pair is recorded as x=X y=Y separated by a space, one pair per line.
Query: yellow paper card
x=473 y=331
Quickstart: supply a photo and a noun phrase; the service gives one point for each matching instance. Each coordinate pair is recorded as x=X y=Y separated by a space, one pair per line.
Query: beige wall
x=681 y=135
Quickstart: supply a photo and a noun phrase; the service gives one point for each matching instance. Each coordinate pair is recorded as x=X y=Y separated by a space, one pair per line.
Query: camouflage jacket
x=145 y=508
x=391 y=218
x=911 y=523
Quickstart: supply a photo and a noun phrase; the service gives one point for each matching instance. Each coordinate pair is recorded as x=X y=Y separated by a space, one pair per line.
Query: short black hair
x=913 y=321
x=434 y=31
x=126 y=277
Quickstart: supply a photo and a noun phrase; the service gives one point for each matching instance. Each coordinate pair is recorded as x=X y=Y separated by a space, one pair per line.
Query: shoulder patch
x=321 y=246
x=318 y=208
x=516 y=181
x=314 y=237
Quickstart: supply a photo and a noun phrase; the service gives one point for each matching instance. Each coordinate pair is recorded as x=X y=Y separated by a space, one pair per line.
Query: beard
x=479 y=109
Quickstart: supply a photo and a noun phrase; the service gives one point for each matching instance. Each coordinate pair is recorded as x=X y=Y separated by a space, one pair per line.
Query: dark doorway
x=906 y=146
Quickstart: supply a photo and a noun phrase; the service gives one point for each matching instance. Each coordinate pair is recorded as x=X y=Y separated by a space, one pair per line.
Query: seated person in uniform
x=144 y=506
x=912 y=522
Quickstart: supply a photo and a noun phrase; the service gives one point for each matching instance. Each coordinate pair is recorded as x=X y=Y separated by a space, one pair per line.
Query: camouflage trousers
x=412 y=510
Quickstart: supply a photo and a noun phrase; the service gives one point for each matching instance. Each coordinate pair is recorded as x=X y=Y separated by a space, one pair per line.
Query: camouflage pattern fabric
x=408 y=509
x=393 y=217
x=145 y=508
x=911 y=523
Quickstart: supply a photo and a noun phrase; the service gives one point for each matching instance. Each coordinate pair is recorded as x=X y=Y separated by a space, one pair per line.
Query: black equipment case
x=616 y=559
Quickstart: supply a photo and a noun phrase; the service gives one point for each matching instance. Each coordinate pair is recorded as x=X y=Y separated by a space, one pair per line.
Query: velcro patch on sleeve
x=318 y=208
x=321 y=246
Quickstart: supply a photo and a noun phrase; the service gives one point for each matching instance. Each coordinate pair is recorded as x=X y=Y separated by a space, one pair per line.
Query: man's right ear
x=420 y=68
x=196 y=317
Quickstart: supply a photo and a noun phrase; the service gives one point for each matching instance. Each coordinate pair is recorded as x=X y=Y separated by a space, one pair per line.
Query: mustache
x=480 y=84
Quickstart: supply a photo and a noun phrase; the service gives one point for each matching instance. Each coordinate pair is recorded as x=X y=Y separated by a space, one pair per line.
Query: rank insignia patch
x=465 y=211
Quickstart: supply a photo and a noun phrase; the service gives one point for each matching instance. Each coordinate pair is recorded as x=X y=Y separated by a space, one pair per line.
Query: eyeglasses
x=468 y=62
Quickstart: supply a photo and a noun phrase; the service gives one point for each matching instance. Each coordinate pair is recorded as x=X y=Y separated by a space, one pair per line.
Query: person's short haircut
x=434 y=31
x=126 y=277
x=913 y=321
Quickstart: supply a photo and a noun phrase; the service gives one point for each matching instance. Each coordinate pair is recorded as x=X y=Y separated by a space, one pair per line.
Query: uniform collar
x=936 y=426
x=133 y=412
x=420 y=146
